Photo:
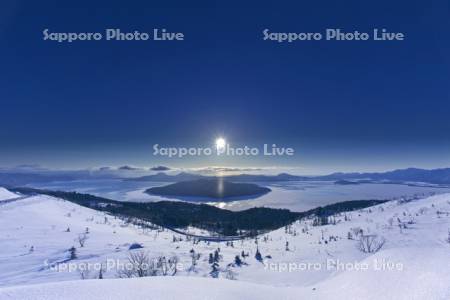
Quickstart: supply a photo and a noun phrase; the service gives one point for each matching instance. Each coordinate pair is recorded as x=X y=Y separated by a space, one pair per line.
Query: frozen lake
x=300 y=196
x=293 y=195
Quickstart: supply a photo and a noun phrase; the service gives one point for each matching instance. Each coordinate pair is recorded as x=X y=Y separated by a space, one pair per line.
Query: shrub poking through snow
x=135 y=246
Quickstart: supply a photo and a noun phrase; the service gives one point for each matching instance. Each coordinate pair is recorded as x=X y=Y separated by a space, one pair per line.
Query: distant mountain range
x=435 y=176
x=183 y=176
x=13 y=178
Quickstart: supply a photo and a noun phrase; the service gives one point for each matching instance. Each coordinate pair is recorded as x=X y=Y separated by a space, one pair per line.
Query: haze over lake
x=293 y=195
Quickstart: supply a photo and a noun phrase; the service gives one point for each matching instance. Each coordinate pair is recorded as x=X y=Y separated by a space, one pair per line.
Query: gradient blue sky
x=342 y=105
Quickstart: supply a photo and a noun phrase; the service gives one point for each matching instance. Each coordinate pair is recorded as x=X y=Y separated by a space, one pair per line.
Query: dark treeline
x=182 y=214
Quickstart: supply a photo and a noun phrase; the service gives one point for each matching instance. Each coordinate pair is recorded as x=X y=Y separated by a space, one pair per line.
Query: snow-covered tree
x=216 y=256
x=214 y=270
x=237 y=261
x=258 y=255
x=211 y=258
x=73 y=253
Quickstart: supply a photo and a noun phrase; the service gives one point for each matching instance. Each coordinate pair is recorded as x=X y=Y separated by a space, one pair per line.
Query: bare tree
x=84 y=273
x=82 y=239
x=162 y=265
x=371 y=243
x=125 y=273
x=173 y=265
x=349 y=236
x=356 y=231
x=230 y=274
x=100 y=272
x=140 y=265
x=194 y=257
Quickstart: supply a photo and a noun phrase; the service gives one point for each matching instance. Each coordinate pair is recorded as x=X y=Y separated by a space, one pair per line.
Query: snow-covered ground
x=313 y=262
x=157 y=288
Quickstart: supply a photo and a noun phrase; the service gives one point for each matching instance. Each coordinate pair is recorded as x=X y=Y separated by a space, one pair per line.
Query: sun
x=220 y=143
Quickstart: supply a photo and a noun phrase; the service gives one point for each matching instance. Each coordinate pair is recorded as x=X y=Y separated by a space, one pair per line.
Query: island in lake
x=216 y=188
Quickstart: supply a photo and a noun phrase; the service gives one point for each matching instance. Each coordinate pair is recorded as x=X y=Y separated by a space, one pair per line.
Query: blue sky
x=342 y=105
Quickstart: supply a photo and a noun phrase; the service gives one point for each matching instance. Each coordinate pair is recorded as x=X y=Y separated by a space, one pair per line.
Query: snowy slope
x=318 y=262
x=431 y=285
x=426 y=275
x=157 y=288
x=5 y=194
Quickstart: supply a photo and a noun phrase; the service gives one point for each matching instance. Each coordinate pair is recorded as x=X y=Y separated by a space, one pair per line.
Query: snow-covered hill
x=316 y=262
x=6 y=195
